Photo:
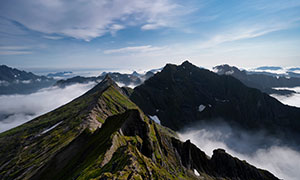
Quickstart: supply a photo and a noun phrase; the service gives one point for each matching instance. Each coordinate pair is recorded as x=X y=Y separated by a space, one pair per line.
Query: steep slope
x=186 y=94
x=27 y=147
x=103 y=135
x=263 y=82
x=14 y=81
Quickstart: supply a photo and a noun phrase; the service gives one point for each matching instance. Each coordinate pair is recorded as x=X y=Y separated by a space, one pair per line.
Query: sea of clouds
x=293 y=100
x=257 y=148
x=18 y=109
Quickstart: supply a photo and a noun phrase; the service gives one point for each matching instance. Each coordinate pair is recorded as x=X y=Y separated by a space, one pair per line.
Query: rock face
x=103 y=135
x=14 y=81
x=186 y=94
x=263 y=82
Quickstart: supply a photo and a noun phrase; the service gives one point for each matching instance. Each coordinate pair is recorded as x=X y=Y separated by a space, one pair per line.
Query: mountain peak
x=103 y=85
x=186 y=62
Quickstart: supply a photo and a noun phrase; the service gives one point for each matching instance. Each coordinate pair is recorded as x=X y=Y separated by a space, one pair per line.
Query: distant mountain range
x=104 y=135
x=185 y=94
x=265 y=82
x=130 y=80
x=14 y=81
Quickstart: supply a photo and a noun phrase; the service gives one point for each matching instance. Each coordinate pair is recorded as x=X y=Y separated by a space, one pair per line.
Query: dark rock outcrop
x=185 y=94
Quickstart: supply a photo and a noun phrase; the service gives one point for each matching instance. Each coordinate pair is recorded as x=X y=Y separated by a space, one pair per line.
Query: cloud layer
x=257 y=149
x=293 y=100
x=19 y=109
x=89 y=19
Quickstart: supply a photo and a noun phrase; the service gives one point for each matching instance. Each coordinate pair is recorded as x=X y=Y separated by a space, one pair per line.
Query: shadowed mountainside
x=185 y=94
x=104 y=135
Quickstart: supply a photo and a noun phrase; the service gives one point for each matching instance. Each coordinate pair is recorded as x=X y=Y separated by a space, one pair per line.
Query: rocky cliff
x=104 y=135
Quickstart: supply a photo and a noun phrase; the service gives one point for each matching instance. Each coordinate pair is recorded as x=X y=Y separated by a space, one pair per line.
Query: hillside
x=103 y=135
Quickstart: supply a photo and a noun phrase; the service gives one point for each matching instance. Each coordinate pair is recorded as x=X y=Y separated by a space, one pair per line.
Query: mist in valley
x=258 y=149
x=18 y=109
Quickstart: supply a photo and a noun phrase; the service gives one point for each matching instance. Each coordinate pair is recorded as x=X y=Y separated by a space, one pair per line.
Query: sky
x=145 y=34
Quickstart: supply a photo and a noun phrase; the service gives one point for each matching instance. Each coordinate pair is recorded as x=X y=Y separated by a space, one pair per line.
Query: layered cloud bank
x=257 y=149
x=18 y=109
x=293 y=100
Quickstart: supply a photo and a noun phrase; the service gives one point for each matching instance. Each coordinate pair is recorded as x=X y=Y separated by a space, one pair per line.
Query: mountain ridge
x=15 y=81
x=265 y=83
x=102 y=134
x=185 y=94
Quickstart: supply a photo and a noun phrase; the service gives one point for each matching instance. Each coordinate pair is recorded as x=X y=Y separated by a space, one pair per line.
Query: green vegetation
x=101 y=135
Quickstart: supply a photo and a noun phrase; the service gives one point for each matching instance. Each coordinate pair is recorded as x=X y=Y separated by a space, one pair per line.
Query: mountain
x=185 y=94
x=261 y=81
x=104 y=135
x=130 y=80
x=14 y=81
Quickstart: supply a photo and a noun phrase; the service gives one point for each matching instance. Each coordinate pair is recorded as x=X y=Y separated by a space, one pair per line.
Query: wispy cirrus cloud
x=248 y=31
x=14 y=50
x=52 y=37
x=90 y=19
x=133 y=49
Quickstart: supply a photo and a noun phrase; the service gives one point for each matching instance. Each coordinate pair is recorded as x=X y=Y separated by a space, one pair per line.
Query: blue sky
x=144 y=34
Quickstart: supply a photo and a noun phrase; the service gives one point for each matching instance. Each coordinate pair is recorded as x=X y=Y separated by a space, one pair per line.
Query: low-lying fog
x=257 y=149
x=18 y=109
x=293 y=100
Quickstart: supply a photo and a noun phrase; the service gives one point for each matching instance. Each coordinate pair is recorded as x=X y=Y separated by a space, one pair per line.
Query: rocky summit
x=186 y=94
x=104 y=135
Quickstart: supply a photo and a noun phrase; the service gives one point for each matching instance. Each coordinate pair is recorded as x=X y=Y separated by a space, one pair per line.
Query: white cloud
x=257 y=149
x=19 y=109
x=244 y=32
x=147 y=48
x=152 y=26
x=292 y=100
x=14 y=50
x=53 y=37
x=88 y=19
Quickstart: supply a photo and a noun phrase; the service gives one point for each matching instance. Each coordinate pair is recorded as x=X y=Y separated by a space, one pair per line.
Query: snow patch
x=201 y=108
x=120 y=84
x=52 y=127
x=229 y=72
x=155 y=119
x=196 y=172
